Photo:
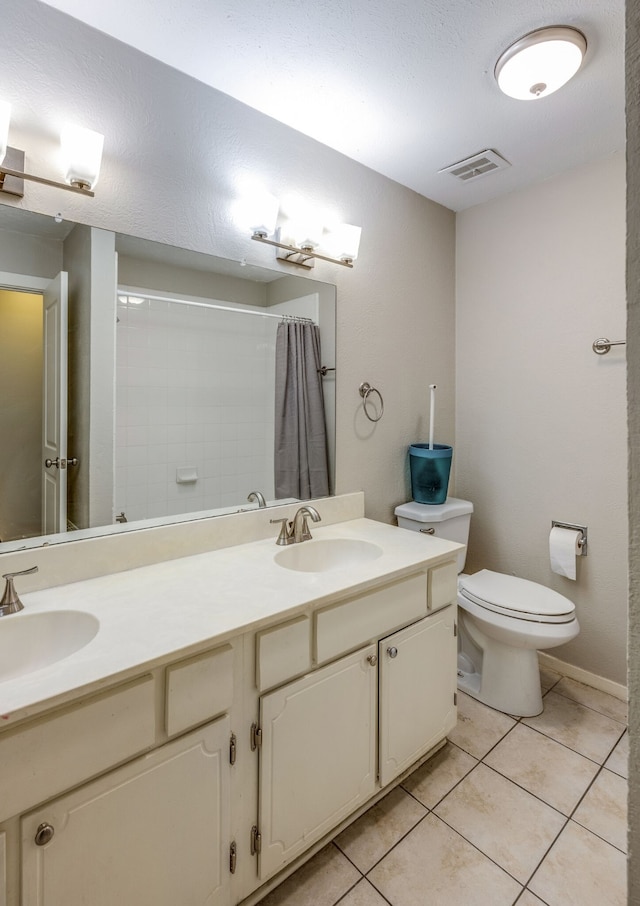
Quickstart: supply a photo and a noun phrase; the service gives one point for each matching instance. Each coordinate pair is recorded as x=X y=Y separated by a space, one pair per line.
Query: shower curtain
x=301 y=464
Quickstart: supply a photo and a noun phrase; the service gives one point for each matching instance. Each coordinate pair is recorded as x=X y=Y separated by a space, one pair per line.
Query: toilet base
x=498 y=675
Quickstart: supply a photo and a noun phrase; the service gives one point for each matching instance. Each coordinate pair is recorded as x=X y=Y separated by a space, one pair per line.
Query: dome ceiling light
x=540 y=62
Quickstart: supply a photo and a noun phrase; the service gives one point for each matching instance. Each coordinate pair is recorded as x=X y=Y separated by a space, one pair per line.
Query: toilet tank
x=449 y=520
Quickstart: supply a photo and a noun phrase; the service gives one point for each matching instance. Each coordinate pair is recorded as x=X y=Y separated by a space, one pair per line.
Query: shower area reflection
x=195 y=401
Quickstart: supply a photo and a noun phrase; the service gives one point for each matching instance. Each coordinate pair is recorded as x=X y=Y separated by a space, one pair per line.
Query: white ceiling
x=406 y=87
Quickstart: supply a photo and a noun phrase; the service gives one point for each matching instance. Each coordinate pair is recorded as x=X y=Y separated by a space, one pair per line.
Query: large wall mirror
x=140 y=382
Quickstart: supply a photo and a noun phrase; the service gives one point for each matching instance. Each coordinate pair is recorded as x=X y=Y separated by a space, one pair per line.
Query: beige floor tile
x=433 y=865
x=479 y=728
x=548 y=679
x=582 y=729
x=604 y=809
x=618 y=761
x=546 y=768
x=508 y=824
x=320 y=882
x=436 y=777
x=581 y=870
x=363 y=894
x=593 y=698
x=371 y=837
x=529 y=899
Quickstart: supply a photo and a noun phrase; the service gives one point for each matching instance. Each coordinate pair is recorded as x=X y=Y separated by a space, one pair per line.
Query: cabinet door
x=417 y=691
x=154 y=831
x=318 y=755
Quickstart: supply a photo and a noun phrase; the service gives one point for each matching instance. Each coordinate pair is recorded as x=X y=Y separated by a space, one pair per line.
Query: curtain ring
x=365 y=389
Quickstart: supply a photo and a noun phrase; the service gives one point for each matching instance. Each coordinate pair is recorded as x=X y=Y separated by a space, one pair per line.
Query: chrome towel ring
x=365 y=391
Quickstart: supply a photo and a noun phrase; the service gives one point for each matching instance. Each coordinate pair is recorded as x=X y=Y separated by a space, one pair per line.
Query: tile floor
x=529 y=811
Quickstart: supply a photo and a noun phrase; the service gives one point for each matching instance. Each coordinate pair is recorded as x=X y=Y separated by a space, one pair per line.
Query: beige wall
x=541 y=419
x=20 y=414
x=633 y=355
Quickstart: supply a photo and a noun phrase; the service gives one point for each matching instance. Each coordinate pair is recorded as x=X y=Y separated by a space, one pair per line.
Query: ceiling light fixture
x=81 y=151
x=541 y=62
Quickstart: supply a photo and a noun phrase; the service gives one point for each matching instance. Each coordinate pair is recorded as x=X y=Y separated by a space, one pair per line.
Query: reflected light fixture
x=81 y=153
x=540 y=62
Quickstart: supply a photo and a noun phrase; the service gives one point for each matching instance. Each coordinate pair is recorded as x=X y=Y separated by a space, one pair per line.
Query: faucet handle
x=285 y=536
x=10 y=602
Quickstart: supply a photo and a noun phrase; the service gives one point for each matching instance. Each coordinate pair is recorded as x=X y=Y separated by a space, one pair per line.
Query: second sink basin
x=31 y=641
x=323 y=555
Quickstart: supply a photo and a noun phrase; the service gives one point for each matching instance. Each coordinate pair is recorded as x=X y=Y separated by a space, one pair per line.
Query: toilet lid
x=516 y=597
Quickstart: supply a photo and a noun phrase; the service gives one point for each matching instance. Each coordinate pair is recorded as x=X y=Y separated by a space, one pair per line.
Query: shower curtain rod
x=217 y=306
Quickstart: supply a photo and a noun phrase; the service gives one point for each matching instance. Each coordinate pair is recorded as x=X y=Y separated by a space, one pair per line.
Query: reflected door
x=54 y=409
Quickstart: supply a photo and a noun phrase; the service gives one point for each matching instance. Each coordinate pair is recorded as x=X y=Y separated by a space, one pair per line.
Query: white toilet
x=503 y=620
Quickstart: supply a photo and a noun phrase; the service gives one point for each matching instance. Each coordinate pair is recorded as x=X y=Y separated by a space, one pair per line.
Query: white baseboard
x=583 y=676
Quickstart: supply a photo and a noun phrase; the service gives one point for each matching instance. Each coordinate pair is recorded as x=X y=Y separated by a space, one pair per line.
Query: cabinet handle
x=392 y=652
x=373 y=660
x=44 y=834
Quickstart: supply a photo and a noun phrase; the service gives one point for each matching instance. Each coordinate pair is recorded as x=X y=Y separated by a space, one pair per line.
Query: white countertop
x=171 y=609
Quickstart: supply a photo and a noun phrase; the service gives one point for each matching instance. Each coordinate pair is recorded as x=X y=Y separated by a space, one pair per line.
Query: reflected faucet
x=300 y=527
x=256 y=495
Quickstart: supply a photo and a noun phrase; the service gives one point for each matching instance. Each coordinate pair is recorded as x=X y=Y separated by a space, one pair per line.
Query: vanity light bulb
x=81 y=156
x=5 y=118
x=343 y=241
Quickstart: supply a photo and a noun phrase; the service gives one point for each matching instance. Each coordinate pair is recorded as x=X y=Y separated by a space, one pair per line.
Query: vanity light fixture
x=81 y=151
x=540 y=62
x=343 y=240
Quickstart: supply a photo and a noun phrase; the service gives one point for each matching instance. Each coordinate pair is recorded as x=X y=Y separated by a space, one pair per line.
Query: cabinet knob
x=392 y=652
x=44 y=834
x=373 y=660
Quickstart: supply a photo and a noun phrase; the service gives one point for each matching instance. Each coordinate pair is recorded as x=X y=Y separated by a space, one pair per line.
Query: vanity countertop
x=175 y=608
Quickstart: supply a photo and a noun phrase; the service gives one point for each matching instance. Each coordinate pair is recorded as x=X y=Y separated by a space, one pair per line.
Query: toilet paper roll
x=563 y=550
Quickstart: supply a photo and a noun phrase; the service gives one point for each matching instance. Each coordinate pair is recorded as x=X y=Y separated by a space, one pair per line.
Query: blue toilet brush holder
x=430 y=469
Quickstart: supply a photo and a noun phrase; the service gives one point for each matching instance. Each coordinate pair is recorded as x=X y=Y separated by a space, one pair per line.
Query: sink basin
x=332 y=553
x=29 y=642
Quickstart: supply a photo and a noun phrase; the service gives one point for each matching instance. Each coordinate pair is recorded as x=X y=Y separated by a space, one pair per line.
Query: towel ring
x=366 y=389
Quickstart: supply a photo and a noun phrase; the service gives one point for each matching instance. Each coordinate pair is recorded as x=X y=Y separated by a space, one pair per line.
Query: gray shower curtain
x=301 y=464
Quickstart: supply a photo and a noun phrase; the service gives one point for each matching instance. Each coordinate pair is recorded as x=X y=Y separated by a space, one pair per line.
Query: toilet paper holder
x=582 y=541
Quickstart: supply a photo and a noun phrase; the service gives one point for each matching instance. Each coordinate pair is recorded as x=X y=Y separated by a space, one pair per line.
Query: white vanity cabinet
x=331 y=739
x=154 y=831
x=156 y=788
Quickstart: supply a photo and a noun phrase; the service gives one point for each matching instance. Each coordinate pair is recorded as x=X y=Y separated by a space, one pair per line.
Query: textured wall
x=541 y=419
x=175 y=155
x=633 y=355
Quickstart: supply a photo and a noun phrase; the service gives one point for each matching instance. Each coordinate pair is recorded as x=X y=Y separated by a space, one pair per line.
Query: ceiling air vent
x=480 y=164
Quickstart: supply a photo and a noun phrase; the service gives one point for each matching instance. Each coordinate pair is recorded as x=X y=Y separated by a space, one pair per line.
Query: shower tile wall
x=194 y=389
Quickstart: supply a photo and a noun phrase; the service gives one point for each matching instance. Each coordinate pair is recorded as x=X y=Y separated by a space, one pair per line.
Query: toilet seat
x=515 y=597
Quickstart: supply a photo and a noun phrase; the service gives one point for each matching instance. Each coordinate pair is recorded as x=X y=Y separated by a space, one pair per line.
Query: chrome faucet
x=256 y=495
x=10 y=602
x=300 y=527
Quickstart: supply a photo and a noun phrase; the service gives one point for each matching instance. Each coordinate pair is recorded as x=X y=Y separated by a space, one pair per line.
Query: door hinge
x=455 y=629
x=233 y=751
x=455 y=698
x=256 y=737
x=256 y=841
x=233 y=857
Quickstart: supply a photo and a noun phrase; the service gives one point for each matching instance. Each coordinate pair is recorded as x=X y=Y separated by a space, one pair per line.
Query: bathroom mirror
x=171 y=380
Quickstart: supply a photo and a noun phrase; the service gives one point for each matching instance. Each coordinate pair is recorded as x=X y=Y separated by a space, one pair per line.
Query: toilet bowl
x=503 y=620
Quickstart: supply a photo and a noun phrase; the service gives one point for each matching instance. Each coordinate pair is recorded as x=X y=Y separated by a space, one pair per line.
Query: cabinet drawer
x=50 y=755
x=355 y=622
x=199 y=689
x=443 y=585
x=283 y=652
